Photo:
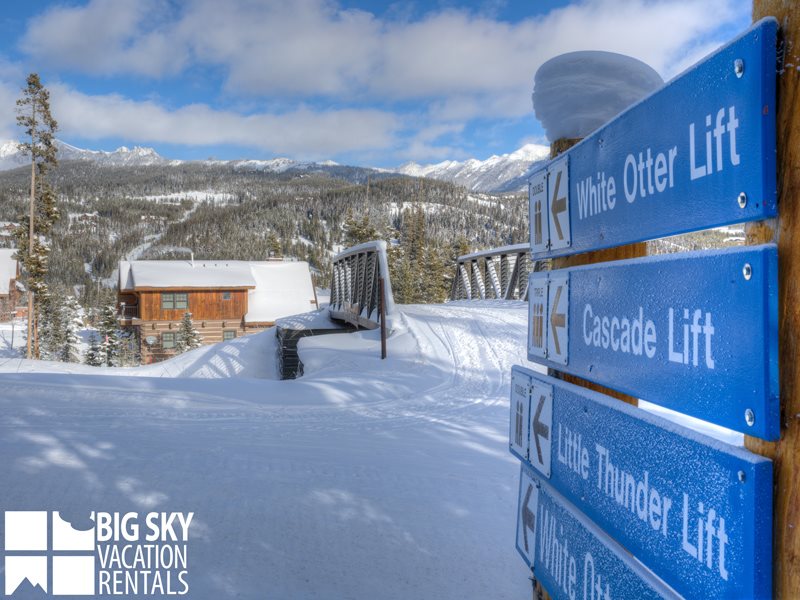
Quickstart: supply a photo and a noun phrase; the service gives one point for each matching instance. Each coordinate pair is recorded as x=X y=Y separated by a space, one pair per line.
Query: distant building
x=9 y=287
x=7 y=228
x=227 y=298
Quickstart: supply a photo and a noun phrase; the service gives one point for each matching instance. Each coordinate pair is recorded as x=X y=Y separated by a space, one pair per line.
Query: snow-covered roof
x=139 y=274
x=8 y=269
x=275 y=289
x=282 y=289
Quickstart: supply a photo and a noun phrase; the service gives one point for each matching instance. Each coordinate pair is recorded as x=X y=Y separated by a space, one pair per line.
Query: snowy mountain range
x=11 y=157
x=499 y=173
x=503 y=173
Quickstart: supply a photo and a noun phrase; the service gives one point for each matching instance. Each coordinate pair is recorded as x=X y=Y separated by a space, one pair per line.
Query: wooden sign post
x=786 y=232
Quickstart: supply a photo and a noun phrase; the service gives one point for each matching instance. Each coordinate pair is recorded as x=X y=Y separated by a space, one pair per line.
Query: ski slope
x=363 y=479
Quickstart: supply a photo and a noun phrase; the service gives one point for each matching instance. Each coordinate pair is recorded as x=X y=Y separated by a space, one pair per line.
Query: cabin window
x=182 y=300
x=167 y=340
x=167 y=301
x=226 y=295
x=228 y=334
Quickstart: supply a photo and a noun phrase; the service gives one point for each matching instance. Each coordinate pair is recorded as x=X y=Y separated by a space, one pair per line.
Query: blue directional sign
x=569 y=555
x=696 y=332
x=698 y=153
x=695 y=511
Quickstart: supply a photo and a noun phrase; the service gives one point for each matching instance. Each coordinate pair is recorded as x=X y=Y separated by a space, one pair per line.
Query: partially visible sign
x=531 y=421
x=695 y=332
x=537 y=315
x=569 y=555
x=697 y=153
x=520 y=409
x=695 y=511
x=558 y=207
x=537 y=196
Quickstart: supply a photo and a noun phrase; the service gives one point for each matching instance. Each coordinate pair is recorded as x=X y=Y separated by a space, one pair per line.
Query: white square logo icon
x=73 y=575
x=26 y=530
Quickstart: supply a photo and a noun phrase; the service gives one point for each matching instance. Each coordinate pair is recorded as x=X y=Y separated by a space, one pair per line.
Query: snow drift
x=577 y=92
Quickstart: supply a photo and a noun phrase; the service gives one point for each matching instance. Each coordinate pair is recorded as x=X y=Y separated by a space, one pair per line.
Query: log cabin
x=226 y=298
x=9 y=286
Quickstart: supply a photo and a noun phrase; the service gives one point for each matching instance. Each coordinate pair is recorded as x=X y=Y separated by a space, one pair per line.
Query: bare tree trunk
x=30 y=245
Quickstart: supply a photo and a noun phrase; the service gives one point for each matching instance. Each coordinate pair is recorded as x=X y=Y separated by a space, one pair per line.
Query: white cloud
x=317 y=48
x=107 y=37
x=453 y=65
x=303 y=47
x=303 y=132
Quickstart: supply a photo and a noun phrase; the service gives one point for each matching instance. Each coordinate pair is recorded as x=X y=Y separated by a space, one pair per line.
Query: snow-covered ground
x=196 y=196
x=363 y=479
x=12 y=338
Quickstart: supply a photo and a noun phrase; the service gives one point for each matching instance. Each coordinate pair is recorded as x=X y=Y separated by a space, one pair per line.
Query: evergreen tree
x=273 y=245
x=358 y=231
x=460 y=248
x=435 y=276
x=33 y=115
x=70 y=317
x=94 y=355
x=110 y=336
x=50 y=326
x=187 y=337
x=129 y=354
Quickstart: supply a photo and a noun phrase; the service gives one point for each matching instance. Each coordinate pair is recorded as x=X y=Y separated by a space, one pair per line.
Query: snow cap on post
x=577 y=92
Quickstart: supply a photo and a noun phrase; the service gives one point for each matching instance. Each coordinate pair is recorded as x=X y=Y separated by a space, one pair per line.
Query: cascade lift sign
x=698 y=153
x=696 y=511
x=694 y=332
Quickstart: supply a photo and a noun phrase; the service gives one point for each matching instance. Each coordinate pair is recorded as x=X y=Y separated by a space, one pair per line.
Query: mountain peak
x=498 y=173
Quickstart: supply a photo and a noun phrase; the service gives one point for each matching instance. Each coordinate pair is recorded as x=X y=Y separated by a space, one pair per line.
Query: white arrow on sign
x=558 y=210
x=558 y=318
x=541 y=427
x=526 y=519
x=558 y=204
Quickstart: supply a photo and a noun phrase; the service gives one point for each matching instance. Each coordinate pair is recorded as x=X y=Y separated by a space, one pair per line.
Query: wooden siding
x=203 y=304
x=211 y=332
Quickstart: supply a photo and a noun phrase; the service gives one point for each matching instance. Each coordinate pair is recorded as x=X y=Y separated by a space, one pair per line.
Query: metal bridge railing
x=500 y=273
x=356 y=287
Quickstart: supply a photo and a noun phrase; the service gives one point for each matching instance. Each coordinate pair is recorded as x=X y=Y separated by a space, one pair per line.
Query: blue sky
x=359 y=82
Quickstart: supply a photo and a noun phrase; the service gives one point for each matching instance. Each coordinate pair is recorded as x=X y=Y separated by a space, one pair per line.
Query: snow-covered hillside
x=503 y=173
x=363 y=479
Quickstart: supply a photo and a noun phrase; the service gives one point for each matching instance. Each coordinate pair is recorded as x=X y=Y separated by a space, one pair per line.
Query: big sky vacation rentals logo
x=122 y=554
